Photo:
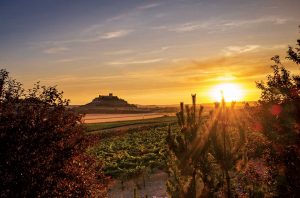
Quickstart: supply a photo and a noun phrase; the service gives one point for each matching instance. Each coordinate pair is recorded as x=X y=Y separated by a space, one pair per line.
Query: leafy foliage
x=279 y=120
x=134 y=153
x=294 y=54
x=281 y=86
x=42 y=145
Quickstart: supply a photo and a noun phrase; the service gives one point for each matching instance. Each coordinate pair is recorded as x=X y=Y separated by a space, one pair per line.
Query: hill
x=111 y=104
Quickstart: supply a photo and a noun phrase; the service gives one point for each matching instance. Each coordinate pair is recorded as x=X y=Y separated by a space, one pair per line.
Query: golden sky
x=147 y=52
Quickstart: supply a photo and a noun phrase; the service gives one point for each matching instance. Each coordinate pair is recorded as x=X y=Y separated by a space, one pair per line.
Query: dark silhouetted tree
x=279 y=118
x=42 y=146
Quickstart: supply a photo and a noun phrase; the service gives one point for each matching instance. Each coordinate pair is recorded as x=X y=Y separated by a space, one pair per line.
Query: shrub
x=42 y=145
x=279 y=117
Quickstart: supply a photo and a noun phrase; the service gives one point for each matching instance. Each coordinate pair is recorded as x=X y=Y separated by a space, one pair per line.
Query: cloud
x=278 y=46
x=230 y=50
x=55 y=50
x=187 y=27
x=116 y=18
x=180 y=60
x=245 y=67
x=66 y=60
x=221 y=25
x=115 y=34
x=134 y=62
x=119 y=52
x=88 y=39
x=149 y=6
x=246 y=22
x=77 y=40
x=184 y=27
x=69 y=60
x=156 y=51
x=93 y=28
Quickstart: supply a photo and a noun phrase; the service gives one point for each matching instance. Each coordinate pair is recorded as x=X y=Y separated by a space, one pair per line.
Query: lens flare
x=231 y=92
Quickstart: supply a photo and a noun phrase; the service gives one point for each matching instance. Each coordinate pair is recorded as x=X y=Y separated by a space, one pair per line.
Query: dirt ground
x=155 y=187
x=97 y=118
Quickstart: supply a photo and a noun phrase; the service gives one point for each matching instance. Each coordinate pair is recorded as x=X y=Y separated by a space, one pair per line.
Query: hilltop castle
x=110 y=101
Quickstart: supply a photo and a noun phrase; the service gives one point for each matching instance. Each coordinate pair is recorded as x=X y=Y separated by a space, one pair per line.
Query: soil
x=98 y=118
x=155 y=187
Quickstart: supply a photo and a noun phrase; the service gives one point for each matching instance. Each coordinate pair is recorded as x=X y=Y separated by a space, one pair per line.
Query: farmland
x=139 y=152
x=150 y=99
x=98 y=127
x=99 y=118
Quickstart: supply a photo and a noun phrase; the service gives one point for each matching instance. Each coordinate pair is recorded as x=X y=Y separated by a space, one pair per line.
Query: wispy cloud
x=187 y=27
x=93 y=28
x=89 y=39
x=115 y=34
x=118 y=17
x=220 y=70
x=266 y=19
x=69 y=60
x=217 y=24
x=180 y=60
x=277 y=46
x=55 y=50
x=120 y=52
x=134 y=62
x=66 y=60
x=230 y=50
x=149 y=6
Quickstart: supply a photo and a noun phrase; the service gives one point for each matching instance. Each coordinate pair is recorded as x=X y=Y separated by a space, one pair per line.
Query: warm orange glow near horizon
x=231 y=92
x=147 y=52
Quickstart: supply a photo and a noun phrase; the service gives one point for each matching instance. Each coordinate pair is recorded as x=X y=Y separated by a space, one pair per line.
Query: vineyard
x=139 y=151
x=150 y=99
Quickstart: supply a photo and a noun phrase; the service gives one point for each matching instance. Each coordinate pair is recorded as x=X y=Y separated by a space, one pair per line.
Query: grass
x=94 y=127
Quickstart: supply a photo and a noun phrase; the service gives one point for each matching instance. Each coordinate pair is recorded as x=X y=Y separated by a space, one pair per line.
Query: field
x=134 y=157
x=128 y=155
x=99 y=118
x=150 y=99
x=151 y=109
x=98 y=127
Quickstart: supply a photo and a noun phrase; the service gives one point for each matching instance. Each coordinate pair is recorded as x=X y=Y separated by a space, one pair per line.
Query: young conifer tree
x=204 y=153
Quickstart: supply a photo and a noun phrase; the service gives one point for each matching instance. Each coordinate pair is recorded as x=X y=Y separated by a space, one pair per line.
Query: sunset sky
x=147 y=52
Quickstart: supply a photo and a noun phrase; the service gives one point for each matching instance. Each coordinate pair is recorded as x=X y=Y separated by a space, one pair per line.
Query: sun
x=231 y=92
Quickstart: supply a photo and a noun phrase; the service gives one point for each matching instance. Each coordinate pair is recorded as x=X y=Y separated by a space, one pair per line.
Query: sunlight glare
x=231 y=91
